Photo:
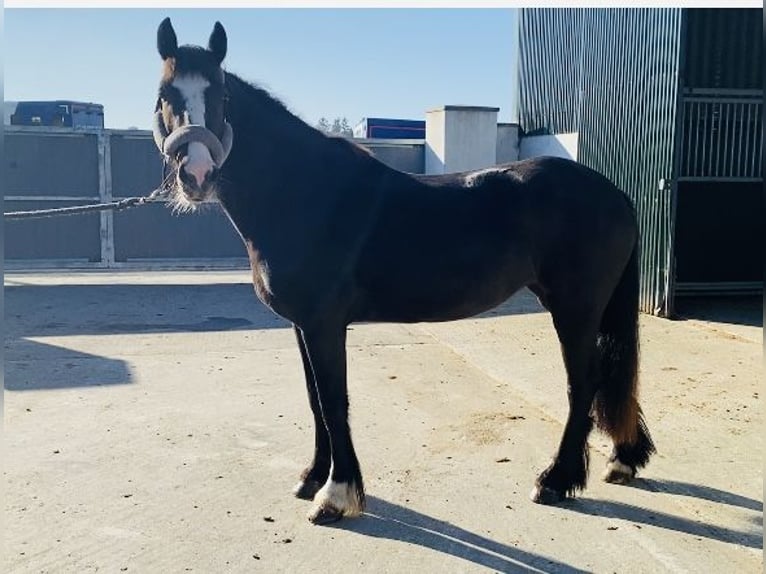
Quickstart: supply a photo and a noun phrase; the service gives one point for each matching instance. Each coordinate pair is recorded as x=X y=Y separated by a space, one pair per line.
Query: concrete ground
x=156 y=422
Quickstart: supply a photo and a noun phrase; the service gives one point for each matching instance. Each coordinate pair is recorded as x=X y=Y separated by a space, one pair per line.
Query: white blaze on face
x=199 y=162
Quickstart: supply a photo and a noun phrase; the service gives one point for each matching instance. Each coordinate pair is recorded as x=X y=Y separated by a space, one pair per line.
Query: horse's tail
x=616 y=403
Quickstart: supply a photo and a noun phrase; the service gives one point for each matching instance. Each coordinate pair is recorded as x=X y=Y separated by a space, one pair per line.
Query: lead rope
x=155 y=196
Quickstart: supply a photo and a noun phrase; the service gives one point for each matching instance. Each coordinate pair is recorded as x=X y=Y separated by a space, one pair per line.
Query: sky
x=321 y=62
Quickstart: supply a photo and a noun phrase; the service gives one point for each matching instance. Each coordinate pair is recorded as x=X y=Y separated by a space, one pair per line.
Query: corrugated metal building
x=667 y=103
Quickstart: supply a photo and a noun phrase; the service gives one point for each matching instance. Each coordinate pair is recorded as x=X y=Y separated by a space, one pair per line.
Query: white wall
x=561 y=145
x=435 y=158
x=460 y=138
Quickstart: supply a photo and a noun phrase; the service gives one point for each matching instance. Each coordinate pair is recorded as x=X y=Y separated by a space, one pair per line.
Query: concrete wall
x=404 y=155
x=460 y=138
x=562 y=145
x=507 y=143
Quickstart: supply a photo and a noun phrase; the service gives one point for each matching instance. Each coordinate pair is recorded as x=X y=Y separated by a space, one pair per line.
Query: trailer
x=58 y=113
x=390 y=128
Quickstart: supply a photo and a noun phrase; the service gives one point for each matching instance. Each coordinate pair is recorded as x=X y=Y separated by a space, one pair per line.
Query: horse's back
x=532 y=202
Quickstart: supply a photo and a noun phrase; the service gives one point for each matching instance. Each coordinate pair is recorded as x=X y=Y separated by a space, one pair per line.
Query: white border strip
x=175 y=4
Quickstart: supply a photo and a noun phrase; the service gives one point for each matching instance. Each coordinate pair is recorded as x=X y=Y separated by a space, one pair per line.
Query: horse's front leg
x=316 y=473
x=343 y=492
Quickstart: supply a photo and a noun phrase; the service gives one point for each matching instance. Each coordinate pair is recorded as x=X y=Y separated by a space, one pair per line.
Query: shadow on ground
x=31 y=365
x=744 y=310
x=37 y=311
x=697 y=491
x=646 y=516
x=60 y=310
x=34 y=310
x=386 y=520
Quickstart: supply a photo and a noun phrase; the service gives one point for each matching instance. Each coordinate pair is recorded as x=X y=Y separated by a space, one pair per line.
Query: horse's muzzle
x=197 y=185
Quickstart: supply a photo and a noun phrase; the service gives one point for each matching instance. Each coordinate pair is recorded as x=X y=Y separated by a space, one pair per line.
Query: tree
x=339 y=126
x=345 y=129
x=323 y=124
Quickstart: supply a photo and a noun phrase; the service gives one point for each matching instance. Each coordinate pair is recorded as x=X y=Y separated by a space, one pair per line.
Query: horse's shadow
x=386 y=520
x=648 y=516
x=697 y=491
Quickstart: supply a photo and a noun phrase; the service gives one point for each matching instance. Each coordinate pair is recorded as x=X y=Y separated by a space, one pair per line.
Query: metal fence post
x=105 y=195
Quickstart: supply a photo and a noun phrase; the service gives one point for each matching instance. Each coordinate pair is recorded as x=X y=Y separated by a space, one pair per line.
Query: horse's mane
x=244 y=93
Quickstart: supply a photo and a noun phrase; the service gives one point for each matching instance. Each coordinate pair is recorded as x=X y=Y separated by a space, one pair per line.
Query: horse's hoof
x=306 y=490
x=336 y=500
x=545 y=495
x=325 y=515
x=618 y=473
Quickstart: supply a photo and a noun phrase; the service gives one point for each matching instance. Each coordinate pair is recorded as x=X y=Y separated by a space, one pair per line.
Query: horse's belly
x=428 y=297
x=427 y=310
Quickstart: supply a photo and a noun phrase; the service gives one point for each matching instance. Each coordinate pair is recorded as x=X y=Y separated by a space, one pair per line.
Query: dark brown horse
x=335 y=236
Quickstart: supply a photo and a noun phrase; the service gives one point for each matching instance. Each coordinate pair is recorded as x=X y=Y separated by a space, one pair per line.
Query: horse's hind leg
x=616 y=405
x=576 y=328
x=628 y=457
x=343 y=492
x=316 y=473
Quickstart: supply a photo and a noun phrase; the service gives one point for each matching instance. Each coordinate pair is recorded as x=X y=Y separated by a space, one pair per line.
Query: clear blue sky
x=320 y=62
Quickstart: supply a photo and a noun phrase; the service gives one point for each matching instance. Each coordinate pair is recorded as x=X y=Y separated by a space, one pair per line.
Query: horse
x=334 y=237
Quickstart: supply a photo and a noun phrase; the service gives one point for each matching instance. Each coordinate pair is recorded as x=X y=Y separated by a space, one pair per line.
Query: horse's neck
x=267 y=140
x=279 y=167
x=265 y=132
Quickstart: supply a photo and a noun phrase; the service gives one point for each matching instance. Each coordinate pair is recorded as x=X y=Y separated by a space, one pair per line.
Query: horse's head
x=190 y=126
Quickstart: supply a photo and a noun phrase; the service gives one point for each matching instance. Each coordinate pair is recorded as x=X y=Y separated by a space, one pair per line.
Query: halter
x=168 y=143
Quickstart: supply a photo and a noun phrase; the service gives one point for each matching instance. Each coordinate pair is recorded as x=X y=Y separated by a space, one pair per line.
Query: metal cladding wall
x=91 y=166
x=46 y=168
x=154 y=232
x=732 y=42
x=612 y=75
x=550 y=69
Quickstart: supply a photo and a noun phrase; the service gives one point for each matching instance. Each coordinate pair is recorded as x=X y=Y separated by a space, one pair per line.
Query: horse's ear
x=167 y=43
x=217 y=42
